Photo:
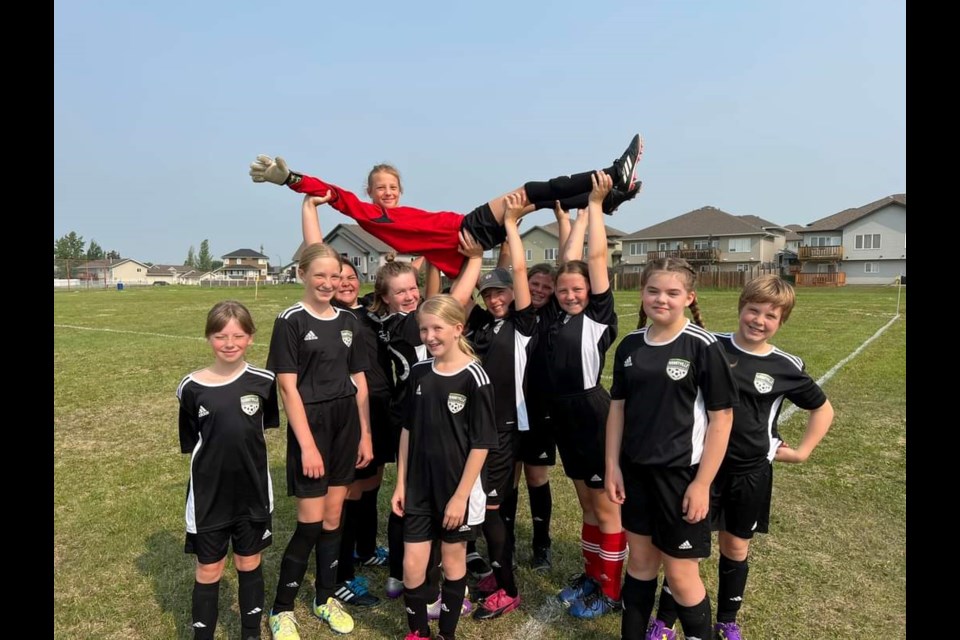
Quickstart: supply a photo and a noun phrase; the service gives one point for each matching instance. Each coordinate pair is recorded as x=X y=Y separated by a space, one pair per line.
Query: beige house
x=110 y=271
x=707 y=237
x=540 y=244
x=170 y=274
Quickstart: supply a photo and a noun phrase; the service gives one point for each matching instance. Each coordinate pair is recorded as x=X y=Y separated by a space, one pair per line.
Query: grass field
x=833 y=566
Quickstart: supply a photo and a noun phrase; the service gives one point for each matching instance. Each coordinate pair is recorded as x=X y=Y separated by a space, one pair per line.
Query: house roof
x=792 y=232
x=839 y=220
x=237 y=267
x=354 y=232
x=703 y=222
x=244 y=253
x=167 y=269
x=757 y=221
x=554 y=229
x=108 y=263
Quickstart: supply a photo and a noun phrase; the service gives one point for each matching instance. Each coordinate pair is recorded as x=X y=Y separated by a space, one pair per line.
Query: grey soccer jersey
x=764 y=382
x=221 y=426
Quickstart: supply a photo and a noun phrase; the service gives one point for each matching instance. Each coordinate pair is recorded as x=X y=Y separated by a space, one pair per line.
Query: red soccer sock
x=590 y=537
x=613 y=551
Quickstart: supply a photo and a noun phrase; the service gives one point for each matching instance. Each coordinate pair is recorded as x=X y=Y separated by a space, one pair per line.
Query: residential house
x=864 y=245
x=110 y=271
x=243 y=264
x=359 y=248
x=708 y=238
x=540 y=243
x=170 y=273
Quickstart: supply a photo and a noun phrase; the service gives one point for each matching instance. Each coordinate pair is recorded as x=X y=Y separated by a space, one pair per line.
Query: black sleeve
x=618 y=389
x=284 y=347
x=271 y=408
x=483 y=428
x=358 y=360
x=716 y=379
x=525 y=321
x=189 y=423
x=807 y=394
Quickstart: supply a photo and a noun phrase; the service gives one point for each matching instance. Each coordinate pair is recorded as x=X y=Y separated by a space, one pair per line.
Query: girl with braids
x=440 y=488
x=670 y=418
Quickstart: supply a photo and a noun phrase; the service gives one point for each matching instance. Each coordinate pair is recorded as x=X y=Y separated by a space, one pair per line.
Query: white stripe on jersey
x=699 y=332
x=641 y=330
x=797 y=362
x=478 y=373
x=269 y=375
x=774 y=442
x=699 y=431
x=191 y=509
x=477 y=504
x=520 y=343
x=422 y=351
x=590 y=352
x=187 y=378
x=286 y=313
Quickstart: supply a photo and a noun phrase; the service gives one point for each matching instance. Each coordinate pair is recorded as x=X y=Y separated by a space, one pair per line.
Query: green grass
x=833 y=566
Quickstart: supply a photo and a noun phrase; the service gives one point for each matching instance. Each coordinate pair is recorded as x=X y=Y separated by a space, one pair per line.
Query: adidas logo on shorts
x=266 y=534
x=464 y=527
x=595 y=478
x=685 y=545
x=543 y=456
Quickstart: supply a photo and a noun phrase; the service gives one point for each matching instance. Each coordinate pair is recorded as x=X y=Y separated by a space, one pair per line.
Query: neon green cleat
x=333 y=614
x=283 y=626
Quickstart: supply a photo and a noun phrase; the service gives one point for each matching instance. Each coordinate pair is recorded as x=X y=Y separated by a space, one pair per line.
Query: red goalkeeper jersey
x=433 y=235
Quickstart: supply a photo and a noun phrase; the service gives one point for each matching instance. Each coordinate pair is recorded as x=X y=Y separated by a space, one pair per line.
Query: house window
x=871 y=267
x=261 y=261
x=529 y=255
x=739 y=245
x=373 y=258
x=823 y=241
x=668 y=246
x=867 y=241
x=356 y=261
x=706 y=244
x=743 y=267
x=550 y=254
x=638 y=248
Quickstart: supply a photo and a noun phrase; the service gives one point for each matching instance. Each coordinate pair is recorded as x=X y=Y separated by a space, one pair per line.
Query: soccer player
x=223 y=412
x=435 y=234
x=742 y=489
x=670 y=417
x=440 y=491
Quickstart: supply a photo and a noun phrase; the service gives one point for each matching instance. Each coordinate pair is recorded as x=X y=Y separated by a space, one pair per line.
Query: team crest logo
x=250 y=404
x=677 y=368
x=347 y=336
x=763 y=383
x=456 y=402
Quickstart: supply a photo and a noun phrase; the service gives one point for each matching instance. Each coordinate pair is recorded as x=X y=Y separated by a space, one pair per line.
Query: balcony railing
x=820 y=253
x=837 y=279
x=690 y=255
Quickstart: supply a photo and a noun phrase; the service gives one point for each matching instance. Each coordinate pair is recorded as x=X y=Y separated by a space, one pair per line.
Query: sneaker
x=356 y=592
x=580 y=587
x=333 y=614
x=658 y=630
x=616 y=197
x=594 y=605
x=380 y=557
x=541 y=560
x=477 y=566
x=487 y=585
x=283 y=626
x=496 y=605
x=394 y=588
x=626 y=165
x=433 y=609
x=727 y=631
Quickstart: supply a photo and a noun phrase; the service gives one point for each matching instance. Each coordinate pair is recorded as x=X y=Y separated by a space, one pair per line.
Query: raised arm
x=462 y=288
x=572 y=249
x=563 y=228
x=432 y=282
x=597 y=238
x=310 y=218
x=518 y=259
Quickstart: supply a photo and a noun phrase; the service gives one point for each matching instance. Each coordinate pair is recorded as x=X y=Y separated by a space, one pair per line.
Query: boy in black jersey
x=223 y=412
x=742 y=489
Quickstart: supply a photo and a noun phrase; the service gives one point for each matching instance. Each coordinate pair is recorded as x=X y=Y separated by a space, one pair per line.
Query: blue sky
x=786 y=110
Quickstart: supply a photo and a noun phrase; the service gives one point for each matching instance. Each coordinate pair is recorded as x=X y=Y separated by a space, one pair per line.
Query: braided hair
x=672 y=265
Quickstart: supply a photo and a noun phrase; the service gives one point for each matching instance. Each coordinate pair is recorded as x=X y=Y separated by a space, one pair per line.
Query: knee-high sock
x=434 y=572
x=328 y=553
x=508 y=513
x=293 y=566
x=367 y=523
x=541 y=508
x=695 y=620
x=250 y=597
x=732 y=584
x=543 y=193
x=416 y=601
x=667 y=609
x=395 y=543
x=638 y=597
x=204 y=609
x=451 y=599
x=501 y=553
x=613 y=551
x=590 y=546
x=349 y=522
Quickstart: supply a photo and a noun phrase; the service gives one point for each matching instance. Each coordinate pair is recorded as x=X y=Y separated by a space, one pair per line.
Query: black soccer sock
x=638 y=596
x=293 y=566
x=508 y=512
x=451 y=599
x=204 y=609
x=415 y=600
x=349 y=521
x=471 y=547
x=732 y=584
x=667 y=609
x=544 y=194
x=541 y=508
x=328 y=553
x=250 y=597
x=366 y=530
x=695 y=620
x=501 y=556
x=434 y=571
x=395 y=544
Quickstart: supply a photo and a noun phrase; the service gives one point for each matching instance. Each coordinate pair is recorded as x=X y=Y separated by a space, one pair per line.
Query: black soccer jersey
x=400 y=335
x=449 y=414
x=764 y=381
x=575 y=346
x=667 y=389
x=221 y=426
x=321 y=351
x=504 y=347
x=379 y=375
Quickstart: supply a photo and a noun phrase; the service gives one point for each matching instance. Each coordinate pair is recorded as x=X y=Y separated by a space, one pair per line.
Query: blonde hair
x=686 y=272
x=769 y=288
x=381 y=285
x=315 y=251
x=446 y=307
x=224 y=312
x=383 y=168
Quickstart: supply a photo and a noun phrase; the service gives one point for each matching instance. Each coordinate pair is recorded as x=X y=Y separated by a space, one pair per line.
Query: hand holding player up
x=453 y=515
x=513 y=204
x=696 y=502
x=469 y=246
x=312 y=463
x=559 y=212
x=267 y=169
x=602 y=183
x=316 y=201
x=613 y=485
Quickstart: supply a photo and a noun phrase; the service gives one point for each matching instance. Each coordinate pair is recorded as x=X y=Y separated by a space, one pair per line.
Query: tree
x=216 y=264
x=94 y=251
x=191 y=260
x=68 y=247
x=112 y=255
x=204 y=259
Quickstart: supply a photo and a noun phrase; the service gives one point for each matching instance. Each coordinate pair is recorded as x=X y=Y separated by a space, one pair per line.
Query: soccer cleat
x=415 y=635
x=541 y=560
x=727 y=631
x=333 y=614
x=658 y=630
x=477 y=566
x=379 y=558
x=580 y=587
x=496 y=605
x=487 y=585
x=394 y=588
x=626 y=165
x=283 y=626
x=356 y=592
x=594 y=605
x=616 y=197
x=433 y=609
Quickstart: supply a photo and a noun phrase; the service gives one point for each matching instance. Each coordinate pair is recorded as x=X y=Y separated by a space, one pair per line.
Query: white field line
x=136 y=333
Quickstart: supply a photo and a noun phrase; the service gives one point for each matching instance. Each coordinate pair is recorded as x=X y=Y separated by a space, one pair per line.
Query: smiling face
x=439 y=336
x=664 y=298
x=321 y=280
x=497 y=300
x=349 y=286
x=759 y=321
x=573 y=292
x=384 y=189
x=541 y=288
x=402 y=293
x=230 y=343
